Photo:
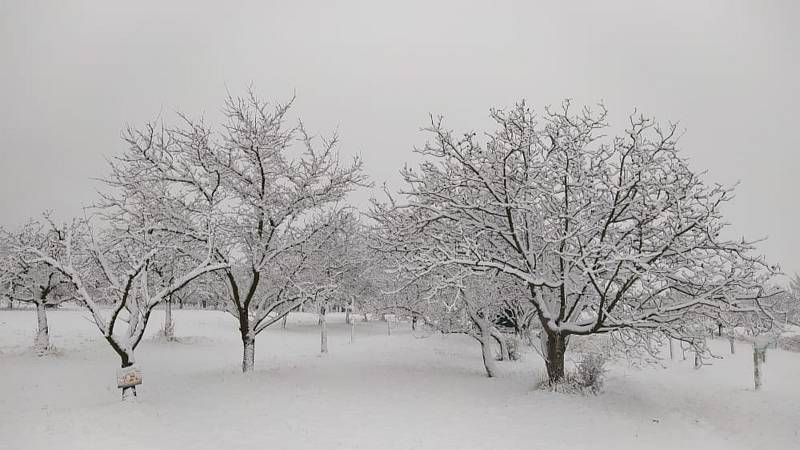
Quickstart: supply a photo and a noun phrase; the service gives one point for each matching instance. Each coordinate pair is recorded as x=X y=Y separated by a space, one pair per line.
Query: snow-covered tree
x=342 y=272
x=34 y=283
x=468 y=302
x=606 y=235
x=792 y=309
x=114 y=261
x=274 y=191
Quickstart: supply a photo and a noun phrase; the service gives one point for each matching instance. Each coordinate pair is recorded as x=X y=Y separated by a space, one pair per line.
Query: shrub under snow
x=586 y=378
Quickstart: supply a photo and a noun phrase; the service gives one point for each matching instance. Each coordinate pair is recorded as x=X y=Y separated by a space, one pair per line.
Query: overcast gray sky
x=73 y=73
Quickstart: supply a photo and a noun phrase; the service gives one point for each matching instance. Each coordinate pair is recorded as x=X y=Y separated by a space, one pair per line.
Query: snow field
x=389 y=392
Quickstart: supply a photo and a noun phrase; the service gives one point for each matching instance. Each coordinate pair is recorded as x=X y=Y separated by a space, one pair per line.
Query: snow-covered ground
x=400 y=391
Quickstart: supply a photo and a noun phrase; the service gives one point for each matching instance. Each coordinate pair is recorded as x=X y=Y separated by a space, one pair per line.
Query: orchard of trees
x=547 y=229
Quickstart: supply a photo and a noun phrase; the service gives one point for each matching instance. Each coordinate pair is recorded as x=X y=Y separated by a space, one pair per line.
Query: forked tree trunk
x=249 y=353
x=698 y=358
x=555 y=347
x=42 y=343
x=485 y=338
x=323 y=331
x=501 y=340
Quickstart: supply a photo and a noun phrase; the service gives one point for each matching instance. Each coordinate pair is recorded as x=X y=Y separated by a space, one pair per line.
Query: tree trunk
x=42 y=343
x=756 y=368
x=323 y=331
x=249 y=356
x=413 y=322
x=485 y=337
x=486 y=350
x=719 y=325
x=554 y=349
x=128 y=393
x=169 y=326
x=672 y=349
x=366 y=317
x=501 y=340
x=733 y=347
x=388 y=325
x=283 y=322
x=352 y=319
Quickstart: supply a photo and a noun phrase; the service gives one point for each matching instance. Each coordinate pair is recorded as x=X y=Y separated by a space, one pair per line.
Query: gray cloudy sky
x=73 y=73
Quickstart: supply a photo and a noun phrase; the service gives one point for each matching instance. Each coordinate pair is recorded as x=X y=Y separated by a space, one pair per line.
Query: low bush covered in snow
x=587 y=377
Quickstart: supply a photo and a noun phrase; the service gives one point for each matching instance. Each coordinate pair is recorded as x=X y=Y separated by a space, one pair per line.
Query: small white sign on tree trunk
x=128 y=377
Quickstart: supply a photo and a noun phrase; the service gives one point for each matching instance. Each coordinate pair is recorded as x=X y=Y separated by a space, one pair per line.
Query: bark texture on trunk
x=352 y=319
x=756 y=369
x=352 y=330
x=555 y=347
x=249 y=354
x=169 y=325
x=323 y=332
x=42 y=343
